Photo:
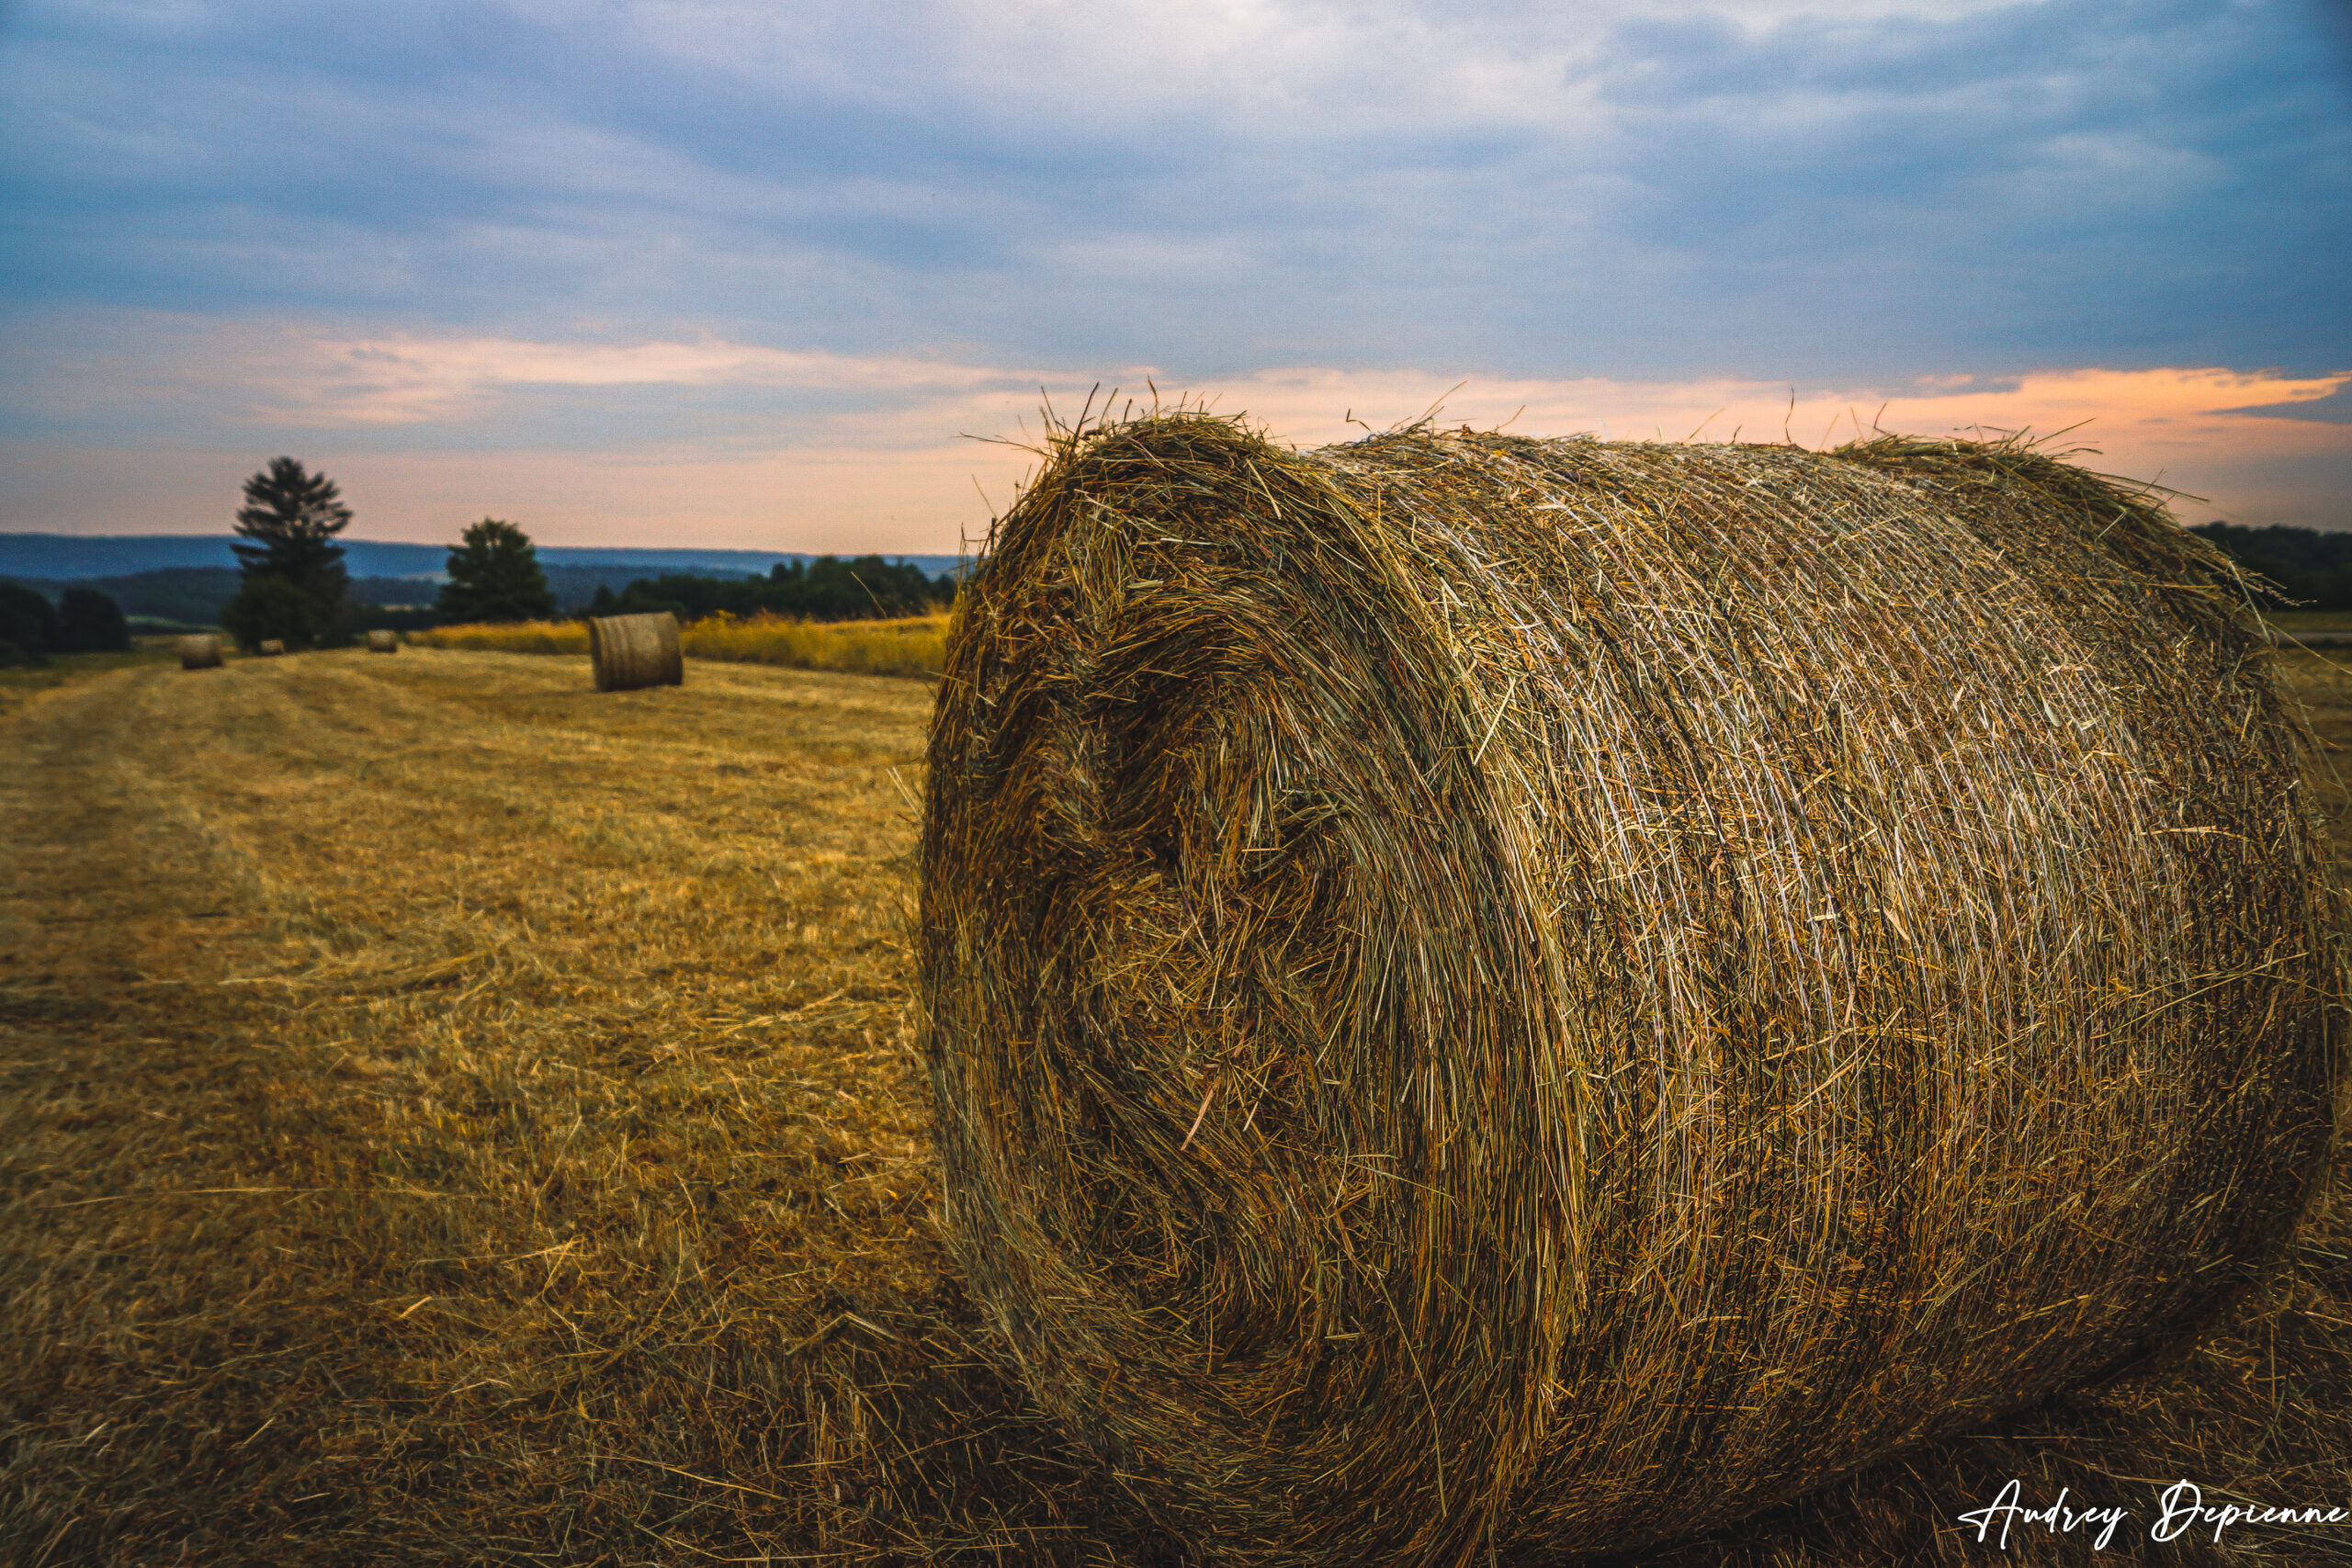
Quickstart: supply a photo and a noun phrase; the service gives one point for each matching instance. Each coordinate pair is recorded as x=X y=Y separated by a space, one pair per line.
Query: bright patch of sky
x=702 y=272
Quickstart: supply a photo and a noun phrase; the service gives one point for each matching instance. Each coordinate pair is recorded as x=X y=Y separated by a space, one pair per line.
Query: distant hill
x=193 y=594
x=71 y=558
x=188 y=577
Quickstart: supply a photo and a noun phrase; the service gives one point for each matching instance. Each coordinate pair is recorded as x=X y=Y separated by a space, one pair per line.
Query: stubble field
x=448 y=1115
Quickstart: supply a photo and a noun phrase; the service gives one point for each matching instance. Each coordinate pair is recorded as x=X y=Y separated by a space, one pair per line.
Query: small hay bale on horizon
x=628 y=652
x=1490 y=996
x=200 y=651
x=384 y=642
x=271 y=648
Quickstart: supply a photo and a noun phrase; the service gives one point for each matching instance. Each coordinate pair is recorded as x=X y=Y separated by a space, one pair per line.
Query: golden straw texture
x=630 y=652
x=507 y=636
x=384 y=642
x=200 y=651
x=912 y=644
x=1490 y=996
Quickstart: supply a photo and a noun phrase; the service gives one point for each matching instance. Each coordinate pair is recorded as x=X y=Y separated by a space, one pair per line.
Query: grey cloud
x=2063 y=182
x=2334 y=408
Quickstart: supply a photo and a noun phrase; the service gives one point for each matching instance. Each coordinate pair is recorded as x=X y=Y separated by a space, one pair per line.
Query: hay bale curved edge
x=632 y=651
x=1489 y=994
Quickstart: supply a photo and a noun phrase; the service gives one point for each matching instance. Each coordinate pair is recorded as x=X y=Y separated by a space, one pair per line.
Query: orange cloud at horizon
x=894 y=494
x=2156 y=425
x=896 y=476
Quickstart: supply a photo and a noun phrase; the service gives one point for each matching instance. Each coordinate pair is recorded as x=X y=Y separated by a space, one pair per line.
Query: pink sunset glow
x=880 y=459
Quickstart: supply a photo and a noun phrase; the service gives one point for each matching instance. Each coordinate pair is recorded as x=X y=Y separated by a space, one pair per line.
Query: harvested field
x=450 y=1116
x=509 y=636
x=913 y=646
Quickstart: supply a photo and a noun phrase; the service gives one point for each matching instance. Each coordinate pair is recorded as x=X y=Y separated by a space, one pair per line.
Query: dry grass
x=916 y=646
x=448 y=1116
x=1497 y=994
x=508 y=636
x=19 y=684
x=453 y=1116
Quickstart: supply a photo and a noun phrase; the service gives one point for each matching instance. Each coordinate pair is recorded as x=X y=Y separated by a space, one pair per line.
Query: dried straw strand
x=1489 y=994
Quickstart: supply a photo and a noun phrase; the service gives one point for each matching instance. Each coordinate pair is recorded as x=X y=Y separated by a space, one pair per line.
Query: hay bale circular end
x=271 y=648
x=1487 y=994
x=199 y=652
x=384 y=642
x=632 y=651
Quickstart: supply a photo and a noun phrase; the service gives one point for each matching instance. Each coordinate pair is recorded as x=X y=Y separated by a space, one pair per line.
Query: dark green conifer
x=494 y=576
x=292 y=517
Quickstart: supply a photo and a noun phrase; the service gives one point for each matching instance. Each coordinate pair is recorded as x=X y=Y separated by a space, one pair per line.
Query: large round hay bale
x=630 y=652
x=384 y=642
x=200 y=651
x=1489 y=994
x=271 y=648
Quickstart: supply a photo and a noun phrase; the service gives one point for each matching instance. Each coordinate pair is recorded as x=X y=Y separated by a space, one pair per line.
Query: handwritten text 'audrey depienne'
x=2181 y=1509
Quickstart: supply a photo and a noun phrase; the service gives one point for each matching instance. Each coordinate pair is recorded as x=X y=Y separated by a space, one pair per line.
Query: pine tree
x=292 y=517
x=494 y=576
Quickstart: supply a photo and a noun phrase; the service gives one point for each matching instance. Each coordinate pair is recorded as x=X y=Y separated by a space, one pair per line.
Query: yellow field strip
x=916 y=646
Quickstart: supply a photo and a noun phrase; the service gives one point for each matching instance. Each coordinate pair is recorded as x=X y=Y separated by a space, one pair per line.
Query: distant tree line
x=488 y=579
x=826 y=589
x=495 y=575
x=291 y=586
x=82 y=621
x=2309 y=566
x=190 y=598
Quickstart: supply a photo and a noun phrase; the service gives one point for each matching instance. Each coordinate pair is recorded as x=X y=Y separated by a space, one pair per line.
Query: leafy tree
x=269 y=607
x=826 y=589
x=28 y=626
x=292 y=516
x=91 y=622
x=494 y=576
x=2311 y=567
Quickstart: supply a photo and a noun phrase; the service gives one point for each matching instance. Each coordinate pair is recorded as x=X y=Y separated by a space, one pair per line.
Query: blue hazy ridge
x=66 y=558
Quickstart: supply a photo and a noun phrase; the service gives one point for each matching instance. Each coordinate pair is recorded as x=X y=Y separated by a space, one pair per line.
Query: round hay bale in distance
x=200 y=651
x=631 y=651
x=271 y=648
x=384 y=642
x=1488 y=994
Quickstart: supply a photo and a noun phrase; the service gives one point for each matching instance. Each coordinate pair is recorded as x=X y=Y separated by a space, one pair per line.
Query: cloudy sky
x=750 y=272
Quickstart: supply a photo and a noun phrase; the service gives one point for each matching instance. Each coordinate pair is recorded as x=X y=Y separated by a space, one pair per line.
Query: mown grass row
x=451 y=1116
x=916 y=646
